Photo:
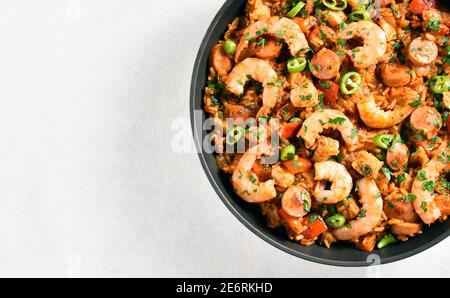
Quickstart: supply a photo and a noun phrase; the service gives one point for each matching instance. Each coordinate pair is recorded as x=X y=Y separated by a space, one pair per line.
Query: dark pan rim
x=226 y=199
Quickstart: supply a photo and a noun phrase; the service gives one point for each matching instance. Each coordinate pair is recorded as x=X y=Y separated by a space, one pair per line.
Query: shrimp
x=260 y=71
x=220 y=61
x=389 y=30
x=424 y=184
x=374 y=43
x=336 y=173
x=246 y=184
x=324 y=119
x=281 y=28
x=372 y=205
x=373 y=116
x=303 y=93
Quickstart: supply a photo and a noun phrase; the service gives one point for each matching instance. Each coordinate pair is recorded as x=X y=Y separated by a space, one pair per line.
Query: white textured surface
x=88 y=185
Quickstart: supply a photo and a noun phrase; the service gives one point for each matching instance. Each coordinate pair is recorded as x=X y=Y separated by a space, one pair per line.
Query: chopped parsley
x=387 y=173
x=214 y=101
x=341 y=43
x=437 y=123
x=434 y=24
x=409 y=198
x=428 y=186
x=422 y=176
x=365 y=170
x=424 y=206
x=391 y=203
x=338 y=120
x=306 y=206
x=325 y=84
x=416 y=103
x=354 y=133
x=313 y=217
x=278 y=83
x=343 y=26
x=362 y=213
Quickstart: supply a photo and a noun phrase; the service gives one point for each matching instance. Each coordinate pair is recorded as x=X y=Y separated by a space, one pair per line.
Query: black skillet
x=341 y=254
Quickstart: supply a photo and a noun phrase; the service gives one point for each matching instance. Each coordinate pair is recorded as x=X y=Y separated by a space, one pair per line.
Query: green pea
x=386 y=240
x=288 y=153
x=229 y=47
x=335 y=221
x=383 y=141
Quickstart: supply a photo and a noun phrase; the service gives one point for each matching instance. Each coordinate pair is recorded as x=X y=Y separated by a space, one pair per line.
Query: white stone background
x=89 y=185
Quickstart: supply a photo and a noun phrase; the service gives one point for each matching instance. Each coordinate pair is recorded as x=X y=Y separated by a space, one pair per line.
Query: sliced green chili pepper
x=288 y=153
x=229 y=47
x=359 y=15
x=386 y=240
x=352 y=80
x=296 y=65
x=335 y=221
x=294 y=11
x=234 y=135
x=383 y=141
x=440 y=84
x=335 y=4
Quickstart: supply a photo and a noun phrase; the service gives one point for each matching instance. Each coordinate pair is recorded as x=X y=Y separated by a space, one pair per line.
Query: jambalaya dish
x=358 y=94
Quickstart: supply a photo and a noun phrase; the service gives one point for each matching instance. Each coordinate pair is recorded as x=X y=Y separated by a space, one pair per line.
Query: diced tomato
x=263 y=173
x=448 y=124
x=418 y=6
x=236 y=111
x=424 y=145
x=290 y=130
x=444 y=30
x=314 y=228
x=331 y=93
x=297 y=165
x=294 y=223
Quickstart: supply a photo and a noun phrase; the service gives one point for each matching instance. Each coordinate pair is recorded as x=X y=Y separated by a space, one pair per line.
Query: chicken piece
x=348 y=208
x=326 y=148
x=367 y=164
